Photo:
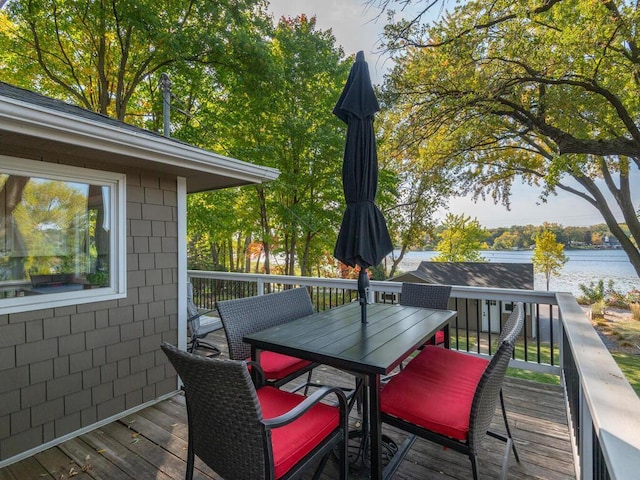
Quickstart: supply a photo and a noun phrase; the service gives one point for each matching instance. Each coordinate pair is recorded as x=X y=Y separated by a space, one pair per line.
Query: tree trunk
x=397 y=260
x=10 y=197
x=213 y=247
x=266 y=231
x=247 y=254
x=598 y=200
x=305 y=268
x=291 y=270
x=230 y=253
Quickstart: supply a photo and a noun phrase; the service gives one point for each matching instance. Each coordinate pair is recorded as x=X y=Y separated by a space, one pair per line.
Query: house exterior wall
x=65 y=369
x=470 y=316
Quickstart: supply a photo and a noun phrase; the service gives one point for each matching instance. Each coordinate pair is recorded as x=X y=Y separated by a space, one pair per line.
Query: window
x=61 y=235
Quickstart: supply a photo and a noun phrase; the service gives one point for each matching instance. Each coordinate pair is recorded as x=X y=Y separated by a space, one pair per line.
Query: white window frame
x=116 y=182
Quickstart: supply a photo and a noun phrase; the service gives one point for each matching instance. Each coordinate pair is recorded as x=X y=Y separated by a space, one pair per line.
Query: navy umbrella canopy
x=363 y=239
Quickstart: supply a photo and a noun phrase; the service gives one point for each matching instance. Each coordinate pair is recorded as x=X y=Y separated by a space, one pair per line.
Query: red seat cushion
x=435 y=391
x=277 y=366
x=295 y=440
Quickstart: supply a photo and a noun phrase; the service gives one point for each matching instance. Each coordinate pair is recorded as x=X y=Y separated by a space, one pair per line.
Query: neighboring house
x=477 y=274
x=92 y=265
x=473 y=274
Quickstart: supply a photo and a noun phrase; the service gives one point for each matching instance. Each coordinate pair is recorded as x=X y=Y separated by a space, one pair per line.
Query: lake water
x=583 y=267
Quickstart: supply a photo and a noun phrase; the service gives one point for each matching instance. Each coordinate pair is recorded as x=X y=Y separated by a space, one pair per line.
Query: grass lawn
x=630 y=366
x=548 y=378
x=624 y=333
x=532 y=355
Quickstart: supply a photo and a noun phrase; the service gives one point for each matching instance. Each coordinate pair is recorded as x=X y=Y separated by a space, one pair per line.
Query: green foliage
x=45 y=218
x=461 y=240
x=107 y=57
x=98 y=278
x=548 y=378
x=548 y=256
x=279 y=118
x=423 y=184
x=510 y=92
x=630 y=366
x=598 y=293
x=592 y=293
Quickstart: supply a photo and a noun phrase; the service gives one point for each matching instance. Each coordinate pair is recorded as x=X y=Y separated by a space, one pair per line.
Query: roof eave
x=34 y=120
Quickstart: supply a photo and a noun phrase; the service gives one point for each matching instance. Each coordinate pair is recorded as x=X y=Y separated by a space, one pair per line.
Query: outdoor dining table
x=337 y=338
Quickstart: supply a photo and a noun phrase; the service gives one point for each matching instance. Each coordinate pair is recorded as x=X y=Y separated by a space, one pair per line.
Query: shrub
x=597 y=308
x=592 y=293
x=597 y=292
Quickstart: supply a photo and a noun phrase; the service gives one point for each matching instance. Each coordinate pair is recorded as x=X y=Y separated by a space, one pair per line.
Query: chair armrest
x=306 y=405
x=200 y=314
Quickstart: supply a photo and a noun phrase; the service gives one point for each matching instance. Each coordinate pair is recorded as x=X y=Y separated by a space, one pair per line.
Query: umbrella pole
x=363 y=291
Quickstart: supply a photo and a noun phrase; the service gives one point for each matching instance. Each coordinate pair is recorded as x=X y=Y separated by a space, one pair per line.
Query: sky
x=358 y=26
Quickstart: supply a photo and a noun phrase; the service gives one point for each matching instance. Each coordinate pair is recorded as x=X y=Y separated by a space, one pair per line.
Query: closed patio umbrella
x=363 y=239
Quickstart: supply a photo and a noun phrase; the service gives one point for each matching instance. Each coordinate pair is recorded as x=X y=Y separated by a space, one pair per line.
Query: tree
x=282 y=118
x=548 y=256
x=461 y=239
x=523 y=94
x=506 y=241
x=99 y=54
x=420 y=187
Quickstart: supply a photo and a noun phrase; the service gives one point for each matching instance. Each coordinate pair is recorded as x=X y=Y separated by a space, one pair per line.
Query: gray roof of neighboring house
x=475 y=274
x=31 y=123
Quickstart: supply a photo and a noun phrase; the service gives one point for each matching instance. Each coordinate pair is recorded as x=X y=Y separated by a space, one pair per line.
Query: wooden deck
x=153 y=444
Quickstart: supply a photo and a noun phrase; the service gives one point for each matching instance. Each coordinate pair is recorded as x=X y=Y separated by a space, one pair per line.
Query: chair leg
x=505 y=460
x=474 y=466
x=506 y=424
x=306 y=387
x=196 y=343
x=343 y=458
x=190 y=458
x=321 y=465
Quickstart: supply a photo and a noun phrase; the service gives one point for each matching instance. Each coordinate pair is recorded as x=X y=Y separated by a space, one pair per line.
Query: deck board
x=153 y=443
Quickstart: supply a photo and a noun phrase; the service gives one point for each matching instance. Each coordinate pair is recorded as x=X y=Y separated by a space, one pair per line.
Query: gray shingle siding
x=66 y=368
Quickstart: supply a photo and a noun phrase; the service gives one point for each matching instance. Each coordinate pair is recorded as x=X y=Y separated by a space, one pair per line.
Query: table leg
x=447 y=338
x=255 y=356
x=375 y=426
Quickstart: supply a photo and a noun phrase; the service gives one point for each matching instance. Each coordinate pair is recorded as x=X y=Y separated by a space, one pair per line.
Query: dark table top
x=337 y=337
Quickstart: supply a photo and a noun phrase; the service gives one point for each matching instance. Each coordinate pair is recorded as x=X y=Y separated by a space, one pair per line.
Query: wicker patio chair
x=243 y=316
x=246 y=433
x=450 y=398
x=427 y=295
x=200 y=325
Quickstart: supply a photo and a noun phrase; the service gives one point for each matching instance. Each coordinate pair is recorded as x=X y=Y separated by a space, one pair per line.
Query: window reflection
x=54 y=236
